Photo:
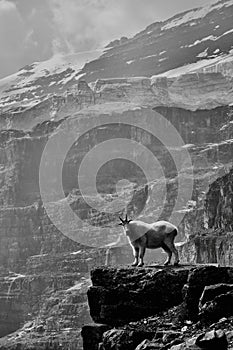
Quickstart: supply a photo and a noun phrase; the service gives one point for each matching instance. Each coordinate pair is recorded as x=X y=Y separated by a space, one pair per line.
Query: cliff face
x=214 y=245
x=219 y=203
x=188 y=91
x=32 y=246
x=23 y=219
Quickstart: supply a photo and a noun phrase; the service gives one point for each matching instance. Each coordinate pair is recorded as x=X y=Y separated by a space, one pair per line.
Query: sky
x=35 y=30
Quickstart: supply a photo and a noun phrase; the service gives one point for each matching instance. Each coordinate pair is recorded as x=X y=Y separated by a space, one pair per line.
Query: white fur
x=160 y=234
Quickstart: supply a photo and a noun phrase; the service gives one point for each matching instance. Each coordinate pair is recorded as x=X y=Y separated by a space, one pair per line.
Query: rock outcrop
x=189 y=286
x=122 y=295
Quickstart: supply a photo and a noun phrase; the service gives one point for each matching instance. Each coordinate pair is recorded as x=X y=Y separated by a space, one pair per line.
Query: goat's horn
x=121 y=219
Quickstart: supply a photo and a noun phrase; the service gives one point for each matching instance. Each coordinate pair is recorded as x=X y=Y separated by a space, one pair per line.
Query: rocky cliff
x=24 y=220
x=196 y=91
x=127 y=92
x=30 y=243
x=160 y=308
x=219 y=203
x=214 y=245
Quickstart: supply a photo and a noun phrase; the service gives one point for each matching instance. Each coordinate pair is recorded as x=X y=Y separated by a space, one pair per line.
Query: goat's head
x=124 y=222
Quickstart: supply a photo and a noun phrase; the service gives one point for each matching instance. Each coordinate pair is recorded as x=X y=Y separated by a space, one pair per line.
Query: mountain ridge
x=197 y=40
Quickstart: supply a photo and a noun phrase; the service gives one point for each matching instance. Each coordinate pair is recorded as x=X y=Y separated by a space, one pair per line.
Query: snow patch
x=163 y=59
x=210 y=37
x=197 y=13
x=129 y=62
x=203 y=54
x=213 y=64
x=144 y=58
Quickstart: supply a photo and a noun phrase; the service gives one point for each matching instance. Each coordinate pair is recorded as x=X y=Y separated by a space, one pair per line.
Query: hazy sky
x=34 y=30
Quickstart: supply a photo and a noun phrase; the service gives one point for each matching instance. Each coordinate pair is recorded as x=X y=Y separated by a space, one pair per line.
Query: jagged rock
x=169 y=336
x=214 y=340
x=185 y=346
x=92 y=335
x=148 y=345
x=40 y=328
x=219 y=203
x=117 y=339
x=118 y=295
x=210 y=292
x=220 y=306
x=198 y=279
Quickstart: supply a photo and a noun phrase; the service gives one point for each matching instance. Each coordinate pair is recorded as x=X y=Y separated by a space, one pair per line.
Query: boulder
x=198 y=279
x=170 y=336
x=187 y=345
x=213 y=340
x=119 y=339
x=210 y=292
x=220 y=306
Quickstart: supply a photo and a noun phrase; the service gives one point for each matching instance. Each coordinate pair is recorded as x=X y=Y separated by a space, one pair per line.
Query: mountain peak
x=197 y=40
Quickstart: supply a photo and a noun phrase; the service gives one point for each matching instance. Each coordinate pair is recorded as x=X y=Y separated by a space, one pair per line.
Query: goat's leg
x=171 y=246
x=141 y=256
x=169 y=253
x=136 y=255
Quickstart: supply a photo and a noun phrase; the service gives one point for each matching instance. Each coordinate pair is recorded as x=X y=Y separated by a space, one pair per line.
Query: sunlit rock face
x=219 y=203
x=214 y=245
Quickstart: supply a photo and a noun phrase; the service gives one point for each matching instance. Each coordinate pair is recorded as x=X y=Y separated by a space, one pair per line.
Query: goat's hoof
x=134 y=264
x=140 y=265
x=177 y=263
x=166 y=263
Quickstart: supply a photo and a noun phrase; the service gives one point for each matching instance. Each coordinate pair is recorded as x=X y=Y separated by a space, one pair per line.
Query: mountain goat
x=160 y=234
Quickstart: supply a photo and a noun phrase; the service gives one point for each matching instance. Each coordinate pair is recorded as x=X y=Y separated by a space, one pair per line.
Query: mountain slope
x=184 y=39
x=196 y=40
